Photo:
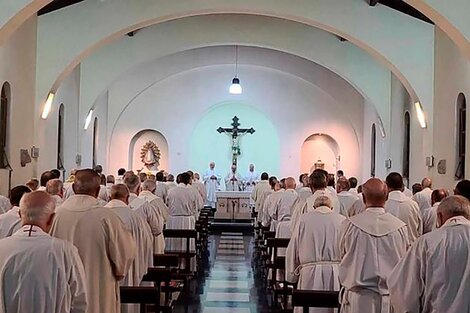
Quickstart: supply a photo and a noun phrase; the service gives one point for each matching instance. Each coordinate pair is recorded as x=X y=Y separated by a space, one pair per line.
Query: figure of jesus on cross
x=235 y=134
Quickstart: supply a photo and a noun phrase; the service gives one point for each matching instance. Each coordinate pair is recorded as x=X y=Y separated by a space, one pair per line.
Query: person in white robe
x=110 y=182
x=270 y=204
x=313 y=256
x=434 y=275
x=304 y=189
x=331 y=186
x=430 y=214
x=212 y=182
x=182 y=205
x=162 y=189
x=353 y=185
x=403 y=207
x=285 y=206
x=103 y=196
x=251 y=178
x=317 y=182
x=197 y=193
x=106 y=248
x=170 y=183
x=259 y=191
x=10 y=221
x=233 y=180
x=345 y=197
x=423 y=198
x=149 y=207
x=141 y=233
x=39 y=273
x=357 y=207
x=55 y=187
x=200 y=187
x=371 y=244
x=5 y=204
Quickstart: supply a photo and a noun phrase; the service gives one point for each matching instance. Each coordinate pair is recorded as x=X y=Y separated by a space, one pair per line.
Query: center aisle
x=228 y=285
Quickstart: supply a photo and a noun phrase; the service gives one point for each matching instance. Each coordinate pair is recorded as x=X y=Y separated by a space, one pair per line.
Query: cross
x=235 y=133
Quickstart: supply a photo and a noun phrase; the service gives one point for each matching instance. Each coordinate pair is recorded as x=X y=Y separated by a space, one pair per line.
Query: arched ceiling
x=405 y=45
x=352 y=64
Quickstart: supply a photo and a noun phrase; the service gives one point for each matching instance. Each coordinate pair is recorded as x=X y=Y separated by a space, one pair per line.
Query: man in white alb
x=434 y=275
x=430 y=214
x=251 y=178
x=212 y=182
x=55 y=187
x=106 y=248
x=283 y=208
x=304 y=190
x=39 y=273
x=259 y=192
x=313 y=255
x=345 y=197
x=423 y=198
x=371 y=244
x=233 y=180
x=10 y=221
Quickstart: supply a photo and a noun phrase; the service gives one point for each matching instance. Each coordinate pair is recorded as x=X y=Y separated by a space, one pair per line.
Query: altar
x=233 y=205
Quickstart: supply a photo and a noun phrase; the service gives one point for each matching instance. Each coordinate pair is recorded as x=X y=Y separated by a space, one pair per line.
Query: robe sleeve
x=292 y=256
x=406 y=281
x=343 y=237
x=77 y=284
x=121 y=246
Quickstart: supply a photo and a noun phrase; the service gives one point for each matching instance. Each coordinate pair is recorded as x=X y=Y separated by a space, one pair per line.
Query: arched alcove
x=461 y=139
x=139 y=140
x=320 y=147
x=5 y=102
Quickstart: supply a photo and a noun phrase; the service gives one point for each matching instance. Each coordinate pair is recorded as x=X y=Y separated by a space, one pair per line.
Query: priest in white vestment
x=182 y=205
x=233 y=180
x=170 y=183
x=430 y=214
x=5 y=204
x=313 y=254
x=141 y=233
x=212 y=182
x=150 y=207
x=423 y=198
x=371 y=244
x=304 y=189
x=403 y=207
x=55 y=187
x=271 y=201
x=357 y=207
x=200 y=188
x=162 y=188
x=259 y=192
x=285 y=206
x=318 y=182
x=10 y=221
x=106 y=248
x=434 y=275
x=251 y=178
x=39 y=273
x=345 y=196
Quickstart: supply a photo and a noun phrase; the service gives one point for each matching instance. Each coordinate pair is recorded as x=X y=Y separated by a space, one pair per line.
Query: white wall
x=298 y=109
x=452 y=77
x=17 y=66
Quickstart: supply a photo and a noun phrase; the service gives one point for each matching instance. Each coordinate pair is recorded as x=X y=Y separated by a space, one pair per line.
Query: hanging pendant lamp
x=236 y=88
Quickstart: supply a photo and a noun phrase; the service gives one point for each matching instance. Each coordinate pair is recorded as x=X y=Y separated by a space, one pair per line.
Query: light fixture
x=47 y=106
x=420 y=115
x=88 y=119
x=236 y=88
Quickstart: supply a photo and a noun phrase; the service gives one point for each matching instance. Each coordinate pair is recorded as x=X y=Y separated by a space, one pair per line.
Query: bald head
x=87 y=182
x=453 y=206
x=374 y=192
x=438 y=195
x=55 y=187
x=120 y=192
x=149 y=185
x=37 y=208
x=323 y=201
x=290 y=183
x=426 y=182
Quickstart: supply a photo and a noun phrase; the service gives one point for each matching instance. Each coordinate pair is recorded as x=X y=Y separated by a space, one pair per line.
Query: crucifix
x=235 y=134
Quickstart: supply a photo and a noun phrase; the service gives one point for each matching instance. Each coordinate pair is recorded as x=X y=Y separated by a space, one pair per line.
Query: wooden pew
x=315 y=299
x=142 y=296
x=276 y=264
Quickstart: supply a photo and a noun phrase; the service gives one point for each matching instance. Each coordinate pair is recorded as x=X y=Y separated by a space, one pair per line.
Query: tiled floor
x=228 y=284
